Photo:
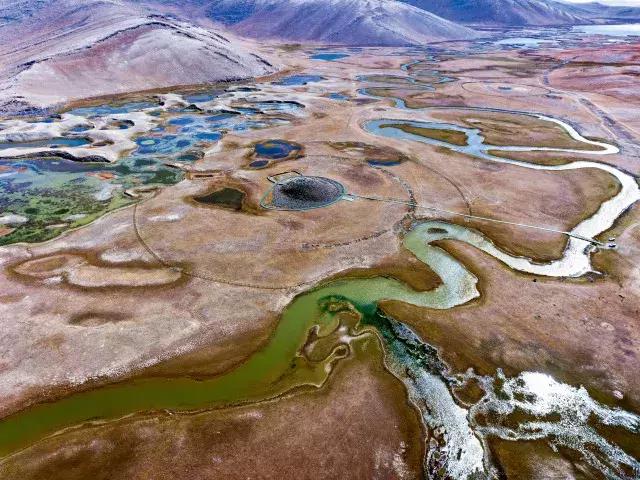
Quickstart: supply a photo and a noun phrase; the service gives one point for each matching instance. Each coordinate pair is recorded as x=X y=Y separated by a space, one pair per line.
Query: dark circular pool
x=304 y=193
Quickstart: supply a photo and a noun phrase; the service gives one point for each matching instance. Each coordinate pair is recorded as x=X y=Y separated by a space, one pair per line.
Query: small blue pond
x=293 y=80
x=49 y=142
x=329 y=56
x=276 y=149
x=102 y=110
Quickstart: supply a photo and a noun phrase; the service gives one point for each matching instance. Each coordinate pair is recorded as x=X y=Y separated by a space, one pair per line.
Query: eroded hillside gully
x=337 y=317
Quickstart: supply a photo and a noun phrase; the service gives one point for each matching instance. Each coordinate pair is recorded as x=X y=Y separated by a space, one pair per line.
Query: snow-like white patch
x=12 y=219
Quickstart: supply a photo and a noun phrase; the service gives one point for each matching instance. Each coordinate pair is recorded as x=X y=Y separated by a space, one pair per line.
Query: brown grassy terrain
x=450 y=136
x=504 y=129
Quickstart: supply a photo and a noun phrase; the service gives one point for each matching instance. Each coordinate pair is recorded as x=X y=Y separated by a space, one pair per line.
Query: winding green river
x=275 y=369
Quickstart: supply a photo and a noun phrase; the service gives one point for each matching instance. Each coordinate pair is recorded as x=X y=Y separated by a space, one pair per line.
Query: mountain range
x=54 y=51
x=505 y=12
x=525 y=12
x=352 y=22
x=606 y=13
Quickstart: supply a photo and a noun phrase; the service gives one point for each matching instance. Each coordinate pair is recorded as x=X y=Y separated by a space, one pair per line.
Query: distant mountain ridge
x=524 y=12
x=600 y=11
x=502 y=12
x=349 y=22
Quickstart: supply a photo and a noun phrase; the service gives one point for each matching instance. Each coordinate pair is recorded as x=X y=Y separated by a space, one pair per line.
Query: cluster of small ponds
x=41 y=196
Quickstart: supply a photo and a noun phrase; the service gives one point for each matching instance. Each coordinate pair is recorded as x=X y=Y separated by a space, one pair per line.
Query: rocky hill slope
x=55 y=51
x=503 y=12
x=349 y=22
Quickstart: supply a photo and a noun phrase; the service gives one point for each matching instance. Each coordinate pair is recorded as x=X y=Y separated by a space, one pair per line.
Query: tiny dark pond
x=81 y=128
x=383 y=163
x=259 y=164
x=226 y=198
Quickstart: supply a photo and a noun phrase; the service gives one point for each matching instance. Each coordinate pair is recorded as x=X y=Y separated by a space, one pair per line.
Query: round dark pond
x=305 y=193
x=225 y=197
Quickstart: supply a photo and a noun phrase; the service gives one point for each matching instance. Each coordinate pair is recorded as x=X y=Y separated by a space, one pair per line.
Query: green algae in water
x=284 y=364
x=56 y=195
x=270 y=372
x=53 y=196
x=42 y=189
x=226 y=197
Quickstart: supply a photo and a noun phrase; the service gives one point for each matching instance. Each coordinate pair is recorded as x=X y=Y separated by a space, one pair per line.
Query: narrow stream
x=533 y=397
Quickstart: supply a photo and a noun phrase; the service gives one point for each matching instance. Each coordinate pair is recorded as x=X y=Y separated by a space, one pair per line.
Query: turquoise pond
x=202 y=97
x=107 y=109
x=47 y=143
x=329 y=56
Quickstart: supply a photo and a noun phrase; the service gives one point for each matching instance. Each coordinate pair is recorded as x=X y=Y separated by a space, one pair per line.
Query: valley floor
x=467 y=305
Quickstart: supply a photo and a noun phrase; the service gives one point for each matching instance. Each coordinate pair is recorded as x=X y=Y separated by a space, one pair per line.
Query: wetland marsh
x=219 y=148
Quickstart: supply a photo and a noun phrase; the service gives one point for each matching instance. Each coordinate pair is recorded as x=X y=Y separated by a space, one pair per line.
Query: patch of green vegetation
x=51 y=212
x=225 y=197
